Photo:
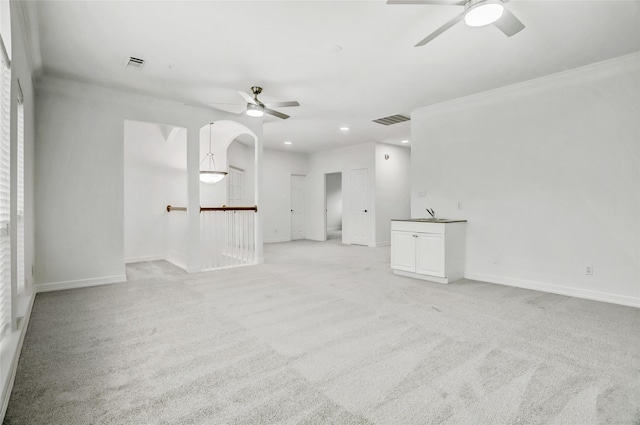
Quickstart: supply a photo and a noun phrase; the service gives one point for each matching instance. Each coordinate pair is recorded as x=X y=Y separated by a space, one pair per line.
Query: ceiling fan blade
x=246 y=97
x=282 y=104
x=509 y=24
x=276 y=113
x=436 y=2
x=440 y=30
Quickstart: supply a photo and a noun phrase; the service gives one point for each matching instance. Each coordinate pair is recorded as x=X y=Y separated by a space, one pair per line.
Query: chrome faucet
x=431 y=212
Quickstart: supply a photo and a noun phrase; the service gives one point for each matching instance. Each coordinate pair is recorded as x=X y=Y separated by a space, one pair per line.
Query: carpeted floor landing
x=323 y=334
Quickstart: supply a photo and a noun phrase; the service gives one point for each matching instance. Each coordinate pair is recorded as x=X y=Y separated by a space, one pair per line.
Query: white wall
x=155 y=175
x=80 y=172
x=393 y=188
x=334 y=201
x=338 y=160
x=276 y=205
x=547 y=173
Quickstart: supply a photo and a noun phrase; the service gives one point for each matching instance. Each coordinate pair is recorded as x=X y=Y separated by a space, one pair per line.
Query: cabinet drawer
x=415 y=226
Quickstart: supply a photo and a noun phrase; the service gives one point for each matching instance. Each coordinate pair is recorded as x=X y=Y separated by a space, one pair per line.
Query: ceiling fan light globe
x=484 y=13
x=254 y=110
x=211 y=177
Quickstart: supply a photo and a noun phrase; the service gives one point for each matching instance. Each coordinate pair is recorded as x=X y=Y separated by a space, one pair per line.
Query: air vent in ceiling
x=135 y=63
x=392 y=119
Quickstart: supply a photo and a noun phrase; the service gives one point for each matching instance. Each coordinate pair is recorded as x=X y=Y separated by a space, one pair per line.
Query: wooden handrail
x=226 y=208
x=170 y=208
x=222 y=208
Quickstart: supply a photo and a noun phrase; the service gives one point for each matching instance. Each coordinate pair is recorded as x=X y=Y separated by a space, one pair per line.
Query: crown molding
x=76 y=88
x=28 y=11
x=46 y=83
x=193 y=111
x=583 y=74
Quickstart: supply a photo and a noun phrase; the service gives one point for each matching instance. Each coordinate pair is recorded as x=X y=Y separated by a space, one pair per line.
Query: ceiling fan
x=476 y=13
x=255 y=108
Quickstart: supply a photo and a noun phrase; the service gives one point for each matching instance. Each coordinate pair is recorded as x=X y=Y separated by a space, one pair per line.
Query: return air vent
x=135 y=63
x=392 y=119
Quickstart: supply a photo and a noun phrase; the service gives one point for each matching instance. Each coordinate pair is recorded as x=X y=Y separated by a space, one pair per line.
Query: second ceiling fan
x=476 y=13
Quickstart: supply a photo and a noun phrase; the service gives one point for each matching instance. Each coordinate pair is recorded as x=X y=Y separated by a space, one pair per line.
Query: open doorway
x=333 y=206
x=155 y=175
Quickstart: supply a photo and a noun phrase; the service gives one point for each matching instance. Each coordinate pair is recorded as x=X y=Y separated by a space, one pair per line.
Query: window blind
x=20 y=187
x=5 y=238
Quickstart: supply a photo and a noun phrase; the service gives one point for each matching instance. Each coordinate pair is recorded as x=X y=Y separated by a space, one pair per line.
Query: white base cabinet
x=428 y=250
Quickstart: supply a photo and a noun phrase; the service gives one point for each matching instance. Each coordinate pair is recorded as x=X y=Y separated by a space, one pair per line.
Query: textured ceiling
x=199 y=52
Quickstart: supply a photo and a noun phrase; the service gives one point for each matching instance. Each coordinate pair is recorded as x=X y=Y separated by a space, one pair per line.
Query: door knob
x=365 y=210
x=291 y=210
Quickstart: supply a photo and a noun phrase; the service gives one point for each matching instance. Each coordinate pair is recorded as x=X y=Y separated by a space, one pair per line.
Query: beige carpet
x=323 y=334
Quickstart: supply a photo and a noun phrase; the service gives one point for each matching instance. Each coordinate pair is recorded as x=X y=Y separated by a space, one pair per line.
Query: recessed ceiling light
x=404 y=141
x=287 y=143
x=344 y=128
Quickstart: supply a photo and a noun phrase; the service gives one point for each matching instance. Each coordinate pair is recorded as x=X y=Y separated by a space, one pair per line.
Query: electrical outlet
x=459 y=205
x=422 y=194
x=589 y=270
x=275 y=230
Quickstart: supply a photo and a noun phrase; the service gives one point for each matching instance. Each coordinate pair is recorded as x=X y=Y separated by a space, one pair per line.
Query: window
x=20 y=187
x=5 y=176
x=234 y=181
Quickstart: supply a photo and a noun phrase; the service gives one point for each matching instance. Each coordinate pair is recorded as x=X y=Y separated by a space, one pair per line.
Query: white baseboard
x=333 y=229
x=381 y=244
x=557 y=289
x=277 y=240
x=144 y=258
x=11 y=349
x=81 y=283
x=436 y=279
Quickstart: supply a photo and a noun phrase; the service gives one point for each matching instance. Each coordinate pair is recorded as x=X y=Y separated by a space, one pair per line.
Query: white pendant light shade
x=209 y=174
x=211 y=177
x=484 y=13
x=254 y=110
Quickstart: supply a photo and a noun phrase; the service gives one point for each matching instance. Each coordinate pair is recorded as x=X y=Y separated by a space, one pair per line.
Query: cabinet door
x=430 y=254
x=403 y=251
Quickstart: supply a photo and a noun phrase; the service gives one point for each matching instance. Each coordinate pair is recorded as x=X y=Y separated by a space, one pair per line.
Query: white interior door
x=297 y=207
x=359 y=193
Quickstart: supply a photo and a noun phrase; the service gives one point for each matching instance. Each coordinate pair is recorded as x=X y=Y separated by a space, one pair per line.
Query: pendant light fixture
x=209 y=175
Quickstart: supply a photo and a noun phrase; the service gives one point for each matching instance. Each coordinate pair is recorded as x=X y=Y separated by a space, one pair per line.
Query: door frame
x=291 y=205
x=324 y=182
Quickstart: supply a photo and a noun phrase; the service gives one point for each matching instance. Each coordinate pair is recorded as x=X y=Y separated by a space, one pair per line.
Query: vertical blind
x=20 y=187
x=5 y=238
